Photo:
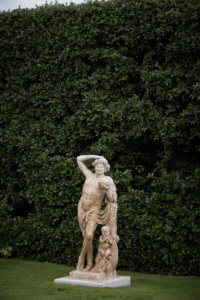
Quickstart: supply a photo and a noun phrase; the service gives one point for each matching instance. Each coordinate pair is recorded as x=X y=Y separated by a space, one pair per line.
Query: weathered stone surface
x=96 y=188
x=87 y=275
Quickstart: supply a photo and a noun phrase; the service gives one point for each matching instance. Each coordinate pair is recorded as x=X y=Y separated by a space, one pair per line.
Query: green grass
x=20 y=280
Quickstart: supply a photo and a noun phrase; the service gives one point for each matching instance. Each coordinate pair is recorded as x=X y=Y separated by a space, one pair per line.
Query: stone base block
x=118 y=281
x=87 y=275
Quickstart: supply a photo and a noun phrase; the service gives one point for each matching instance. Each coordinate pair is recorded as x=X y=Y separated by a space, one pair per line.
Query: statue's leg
x=81 y=258
x=90 y=229
x=87 y=247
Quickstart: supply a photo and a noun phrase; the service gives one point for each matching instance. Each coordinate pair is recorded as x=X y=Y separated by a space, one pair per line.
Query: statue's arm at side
x=111 y=196
x=82 y=166
x=111 y=192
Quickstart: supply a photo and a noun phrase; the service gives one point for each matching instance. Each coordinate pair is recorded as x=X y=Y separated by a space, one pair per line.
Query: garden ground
x=22 y=280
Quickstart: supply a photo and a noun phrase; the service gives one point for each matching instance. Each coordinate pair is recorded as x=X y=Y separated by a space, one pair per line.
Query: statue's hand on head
x=97 y=156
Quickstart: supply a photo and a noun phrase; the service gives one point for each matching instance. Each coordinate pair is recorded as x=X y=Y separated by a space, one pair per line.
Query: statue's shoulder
x=108 y=179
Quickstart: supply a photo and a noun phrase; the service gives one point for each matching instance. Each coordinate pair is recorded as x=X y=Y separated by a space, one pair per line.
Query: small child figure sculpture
x=107 y=257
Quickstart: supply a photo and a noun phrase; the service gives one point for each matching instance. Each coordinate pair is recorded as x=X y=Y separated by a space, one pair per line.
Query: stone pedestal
x=94 y=280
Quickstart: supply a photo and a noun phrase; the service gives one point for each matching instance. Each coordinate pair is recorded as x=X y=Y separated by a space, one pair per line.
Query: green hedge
x=117 y=78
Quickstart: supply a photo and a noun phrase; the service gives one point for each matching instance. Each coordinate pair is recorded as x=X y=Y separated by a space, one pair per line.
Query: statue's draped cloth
x=101 y=217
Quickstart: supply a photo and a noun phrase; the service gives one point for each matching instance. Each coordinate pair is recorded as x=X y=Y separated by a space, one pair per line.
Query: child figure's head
x=105 y=230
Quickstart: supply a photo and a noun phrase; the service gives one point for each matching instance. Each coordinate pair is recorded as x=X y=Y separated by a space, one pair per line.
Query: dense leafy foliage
x=118 y=78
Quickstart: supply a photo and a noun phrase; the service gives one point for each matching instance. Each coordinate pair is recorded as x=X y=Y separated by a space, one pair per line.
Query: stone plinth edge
x=118 y=281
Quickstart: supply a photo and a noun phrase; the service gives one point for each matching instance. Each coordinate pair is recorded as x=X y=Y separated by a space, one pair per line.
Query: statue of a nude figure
x=97 y=187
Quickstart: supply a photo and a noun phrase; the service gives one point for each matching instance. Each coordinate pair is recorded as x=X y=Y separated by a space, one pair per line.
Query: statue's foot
x=80 y=265
x=88 y=268
x=95 y=270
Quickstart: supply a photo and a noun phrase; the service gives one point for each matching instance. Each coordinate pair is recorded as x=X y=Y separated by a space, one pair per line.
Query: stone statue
x=98 y=187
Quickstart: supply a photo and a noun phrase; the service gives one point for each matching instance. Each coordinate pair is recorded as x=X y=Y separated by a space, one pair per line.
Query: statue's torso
x=92 y=194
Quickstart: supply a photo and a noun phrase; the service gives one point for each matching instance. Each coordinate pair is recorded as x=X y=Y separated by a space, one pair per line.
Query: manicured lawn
x=26 y=280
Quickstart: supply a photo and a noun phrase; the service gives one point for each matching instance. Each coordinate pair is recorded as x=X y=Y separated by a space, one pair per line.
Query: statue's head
x=105 y=230
x=101 y=165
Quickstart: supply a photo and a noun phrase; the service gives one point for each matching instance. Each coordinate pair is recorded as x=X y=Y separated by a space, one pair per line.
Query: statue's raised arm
x=86 y=172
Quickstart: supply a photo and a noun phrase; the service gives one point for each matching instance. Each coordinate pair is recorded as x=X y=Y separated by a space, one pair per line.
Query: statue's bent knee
x=89 y=235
